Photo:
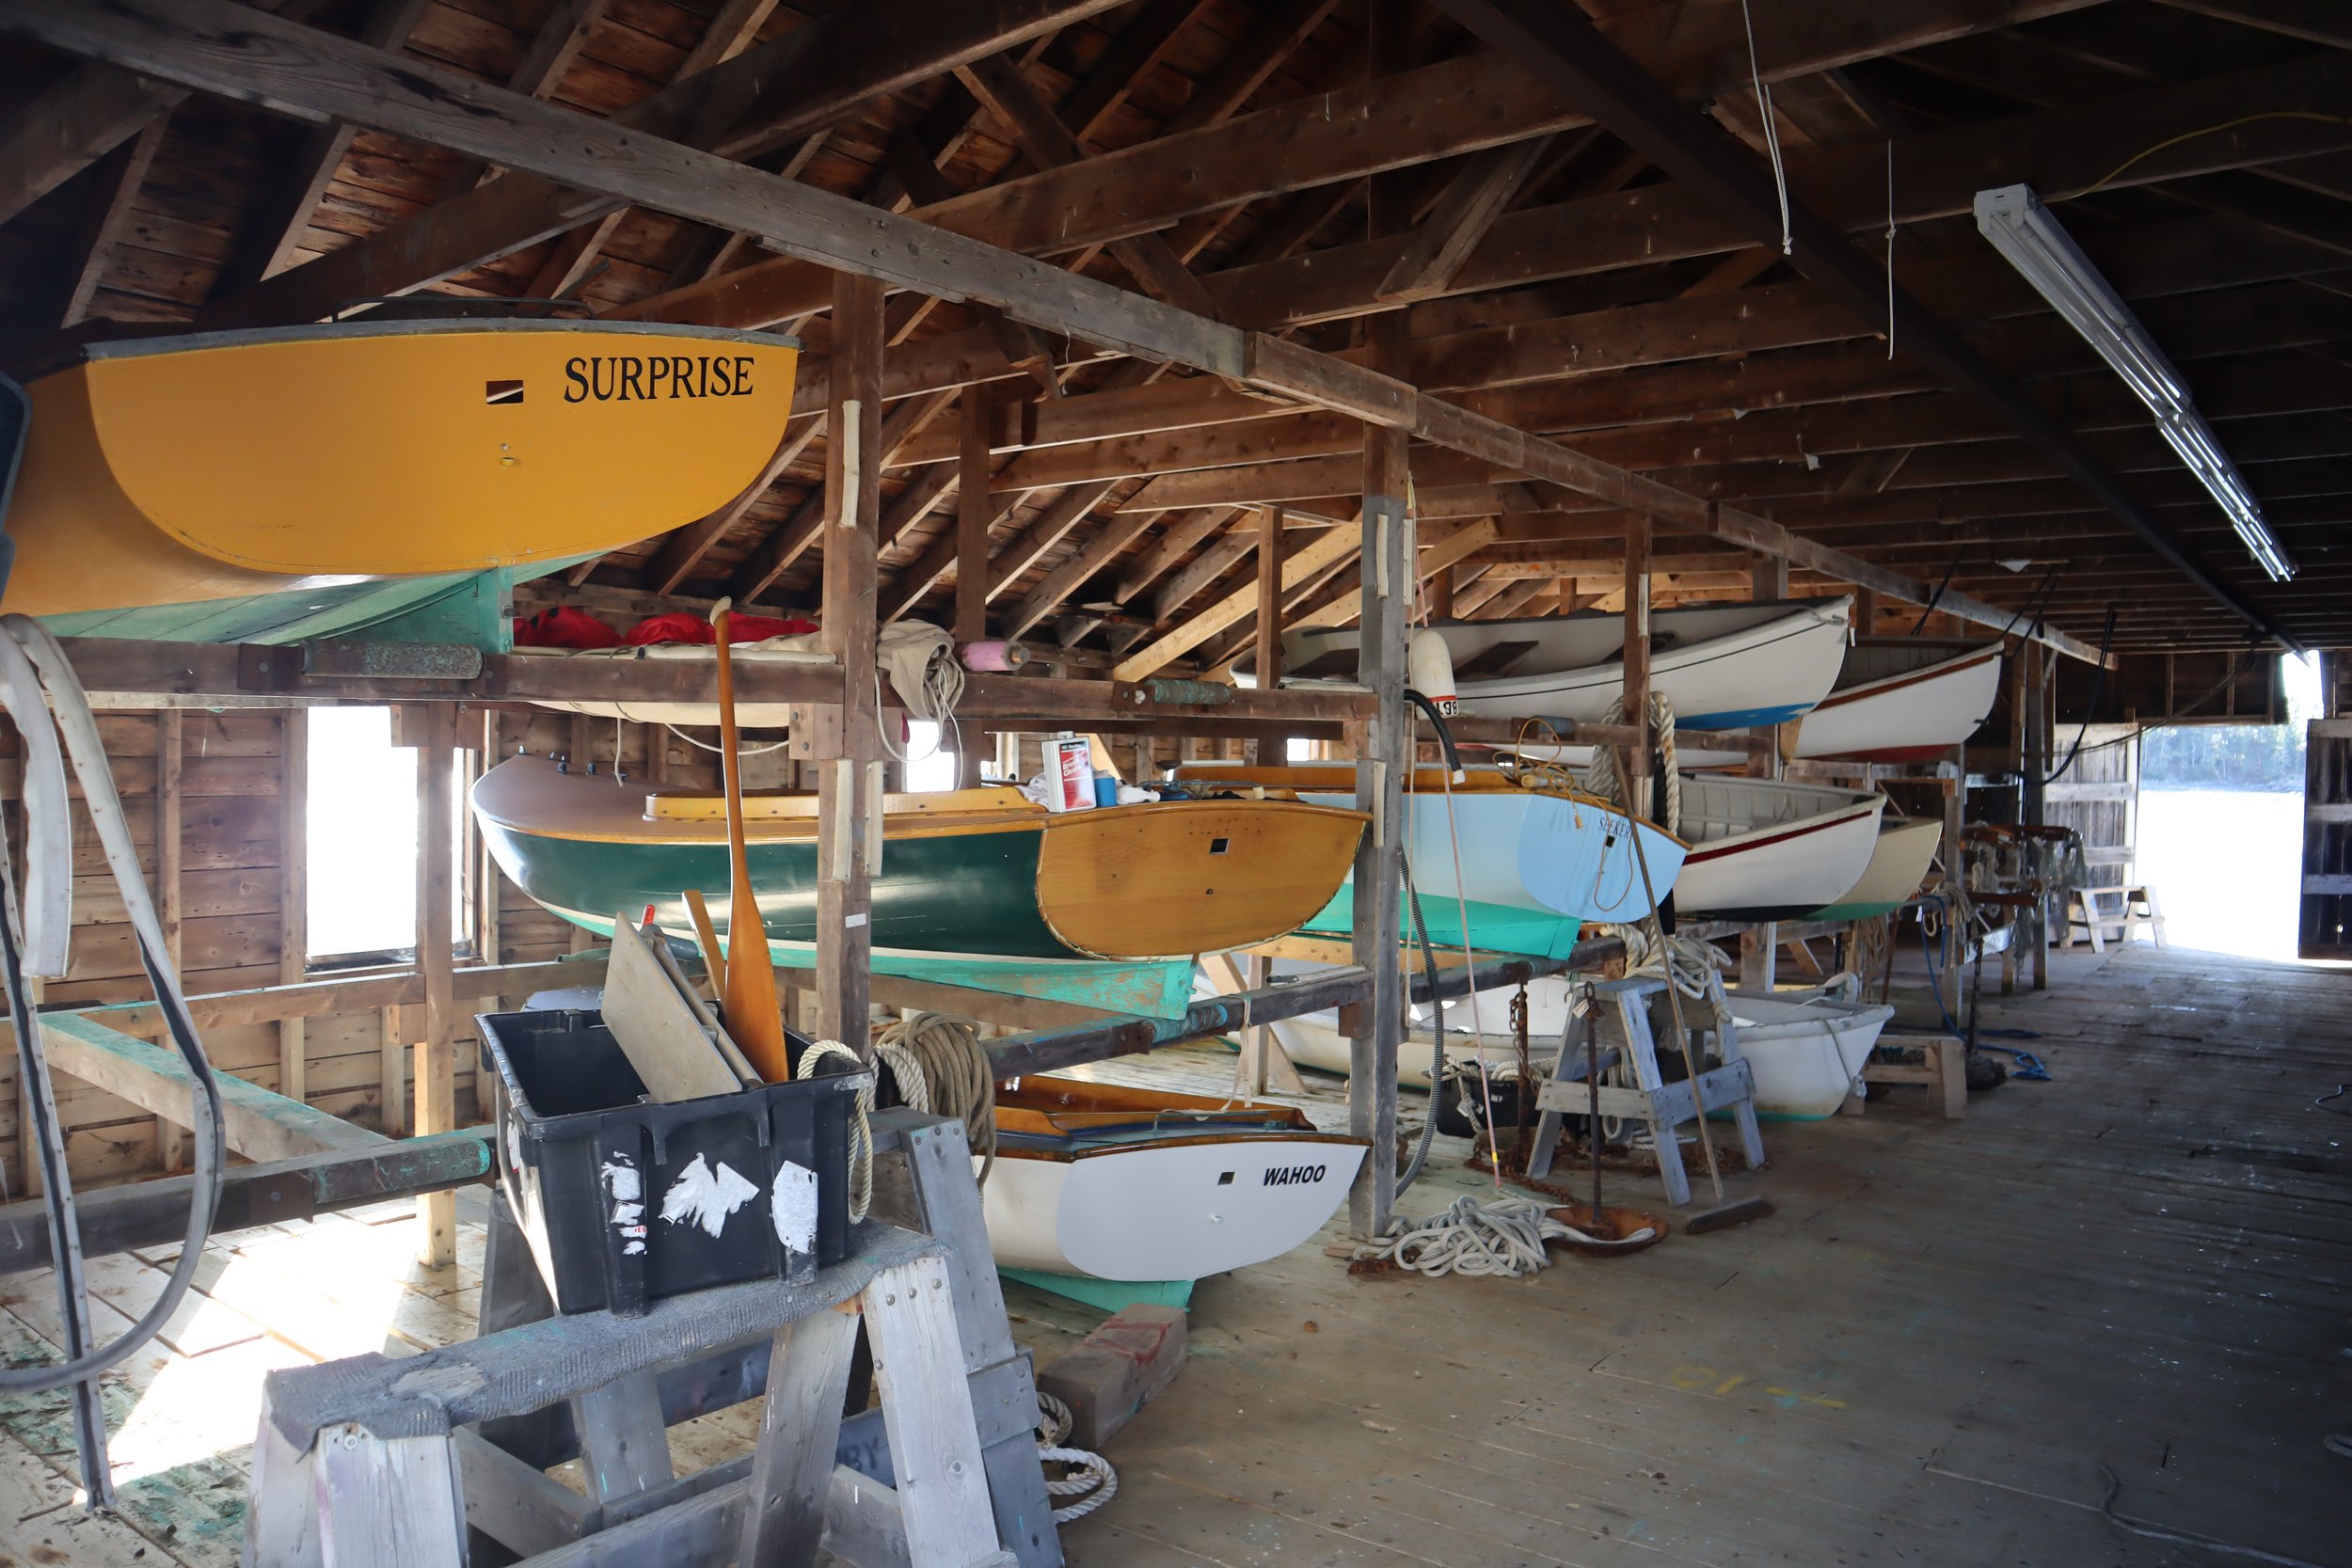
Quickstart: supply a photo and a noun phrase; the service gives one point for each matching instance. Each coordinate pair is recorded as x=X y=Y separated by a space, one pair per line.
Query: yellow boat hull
x=212 y=466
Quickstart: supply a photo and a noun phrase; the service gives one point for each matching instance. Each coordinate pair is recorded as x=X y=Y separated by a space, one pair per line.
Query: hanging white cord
x=740 y=750
x=1095 y=1477
x=1890 y=249
x=861 y=1128
x=1772 y=131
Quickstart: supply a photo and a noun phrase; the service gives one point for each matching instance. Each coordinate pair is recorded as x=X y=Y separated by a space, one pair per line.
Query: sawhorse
x=923 y=1179
x=1624 y=1009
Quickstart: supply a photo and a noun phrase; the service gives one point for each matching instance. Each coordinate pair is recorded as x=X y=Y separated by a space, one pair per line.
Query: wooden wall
x=234 y=903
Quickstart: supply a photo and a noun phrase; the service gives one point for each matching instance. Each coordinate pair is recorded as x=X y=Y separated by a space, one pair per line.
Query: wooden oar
x=753 y=1014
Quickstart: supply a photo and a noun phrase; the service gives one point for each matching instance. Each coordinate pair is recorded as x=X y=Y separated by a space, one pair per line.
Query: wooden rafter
x=87 y=115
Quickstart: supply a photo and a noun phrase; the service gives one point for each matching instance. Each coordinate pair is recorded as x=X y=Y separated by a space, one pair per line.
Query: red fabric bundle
x=564 y=627
x=679 y=627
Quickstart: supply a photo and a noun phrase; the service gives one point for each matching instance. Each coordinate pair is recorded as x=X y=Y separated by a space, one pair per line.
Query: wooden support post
x=171 y=1139
x=1442 y=593
x=845 y=787
x=436 y=862
x=1760 y=948
x=293 y=890
x=974 y=513
x=2033 y=804
x=975 y=510
x=1866 y=607
x=1269 y=638
x=1637 y=553
x=1386 y=559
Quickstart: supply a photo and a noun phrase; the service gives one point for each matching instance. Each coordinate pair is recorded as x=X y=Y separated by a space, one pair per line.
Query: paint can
x=1068 y=774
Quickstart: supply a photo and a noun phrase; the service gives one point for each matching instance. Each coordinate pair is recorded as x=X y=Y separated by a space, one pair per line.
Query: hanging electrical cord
x=1890 y=249
x=67 y=707
x=1937 y=597
x=1420 y=1158
x=1772 y=131
x=2090 y=711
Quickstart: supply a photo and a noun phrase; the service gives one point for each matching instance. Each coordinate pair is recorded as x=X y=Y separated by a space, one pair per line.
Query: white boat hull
x=1806 y=1048
x=1766 y=850
x=1897 y=865
x=1175 y=1209
x=1723 y=667
x=1906 y=715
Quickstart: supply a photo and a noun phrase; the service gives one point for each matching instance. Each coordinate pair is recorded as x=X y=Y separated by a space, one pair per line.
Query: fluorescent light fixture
x=2039 y=247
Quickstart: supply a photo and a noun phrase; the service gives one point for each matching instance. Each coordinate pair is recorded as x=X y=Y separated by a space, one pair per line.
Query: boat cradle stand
x=1622 y=1013
x=387 y=1462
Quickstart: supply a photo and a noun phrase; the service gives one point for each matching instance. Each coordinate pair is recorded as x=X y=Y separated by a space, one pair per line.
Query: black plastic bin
x=625 y=1202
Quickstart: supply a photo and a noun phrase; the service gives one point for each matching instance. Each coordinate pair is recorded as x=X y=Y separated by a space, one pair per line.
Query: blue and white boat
x=1724 y=666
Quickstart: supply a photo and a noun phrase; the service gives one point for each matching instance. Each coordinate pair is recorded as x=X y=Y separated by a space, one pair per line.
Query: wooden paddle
x=751 y=1012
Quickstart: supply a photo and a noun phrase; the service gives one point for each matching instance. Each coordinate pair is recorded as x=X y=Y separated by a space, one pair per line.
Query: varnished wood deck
x=1922 y=1358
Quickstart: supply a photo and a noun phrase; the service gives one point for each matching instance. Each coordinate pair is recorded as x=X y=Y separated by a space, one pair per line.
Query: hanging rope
x=941 y=1070
x=1694 y=965
x=861 y=1129
x=1095 y=1477
x=1601 y=778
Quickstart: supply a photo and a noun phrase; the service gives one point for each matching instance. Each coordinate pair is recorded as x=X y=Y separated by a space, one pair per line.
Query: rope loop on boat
x=1095 y=1482
x=861 y=1128
x=941 y=1070
x=1601 y=778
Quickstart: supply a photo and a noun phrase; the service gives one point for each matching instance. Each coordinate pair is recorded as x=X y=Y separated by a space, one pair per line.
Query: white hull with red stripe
x=1902 y=701
x=1770 y=848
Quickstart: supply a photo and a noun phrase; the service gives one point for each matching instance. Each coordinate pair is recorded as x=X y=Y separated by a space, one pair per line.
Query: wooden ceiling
x=1216 y=155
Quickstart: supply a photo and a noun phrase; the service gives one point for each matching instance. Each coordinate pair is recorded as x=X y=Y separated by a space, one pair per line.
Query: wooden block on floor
x=1115 y=1371
x=1944 y=1070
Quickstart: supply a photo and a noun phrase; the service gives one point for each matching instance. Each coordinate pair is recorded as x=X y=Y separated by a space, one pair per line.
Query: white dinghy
x=1140 y=1185
x=1722 y=666
x=1897 y=865
x=1806 y=1047
x=1901 y=700
x=1771 y=848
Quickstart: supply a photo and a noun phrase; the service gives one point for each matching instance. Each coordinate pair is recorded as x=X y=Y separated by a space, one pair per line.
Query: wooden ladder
x=376 y=1462
x=1622 y=1014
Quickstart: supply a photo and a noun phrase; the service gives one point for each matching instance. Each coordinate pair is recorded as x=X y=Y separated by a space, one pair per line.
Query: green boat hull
x=958 y=908
x=1493 y=928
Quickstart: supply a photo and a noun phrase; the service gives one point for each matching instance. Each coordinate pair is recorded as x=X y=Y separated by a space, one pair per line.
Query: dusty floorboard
x=1922 y=1358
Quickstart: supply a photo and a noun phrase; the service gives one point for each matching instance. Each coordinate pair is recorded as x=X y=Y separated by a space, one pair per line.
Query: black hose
x=2091 y=713
x=1428 y=956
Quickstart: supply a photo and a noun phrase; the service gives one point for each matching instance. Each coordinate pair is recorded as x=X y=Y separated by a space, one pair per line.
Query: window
x=362 y=839
x=930 y=765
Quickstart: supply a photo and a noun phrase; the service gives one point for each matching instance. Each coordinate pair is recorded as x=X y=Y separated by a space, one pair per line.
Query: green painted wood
x=960 y=910
x=1493 y=928
x=468 y=608
x=1111 y=1295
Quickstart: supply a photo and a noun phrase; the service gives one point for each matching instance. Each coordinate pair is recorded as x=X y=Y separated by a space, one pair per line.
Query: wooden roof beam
x=1455 y=107
x=762 y=98
x=254 y=58
x=94 y=109
x=1583 y=65
x=106 y=216
x=269 y=245
x=780 y=550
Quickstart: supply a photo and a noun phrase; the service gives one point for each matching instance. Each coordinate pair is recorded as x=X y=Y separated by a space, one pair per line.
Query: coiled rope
x=1095 y=1482
x=941 y=1070
x=1502 y=1238
x=1694 y=966
x=861 y=1128
x=1601 y=778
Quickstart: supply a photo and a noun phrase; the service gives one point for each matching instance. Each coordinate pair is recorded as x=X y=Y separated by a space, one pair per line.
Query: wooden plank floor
x=1923 y=1358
